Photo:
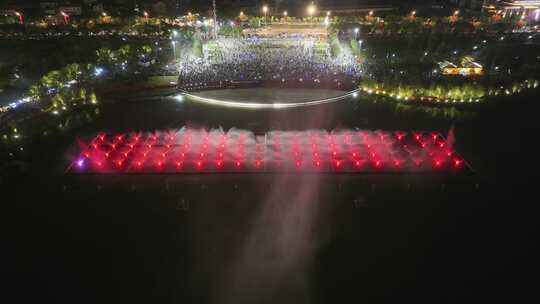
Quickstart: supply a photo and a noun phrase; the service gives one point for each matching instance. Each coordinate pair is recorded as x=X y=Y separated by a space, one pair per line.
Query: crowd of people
x=255 y=59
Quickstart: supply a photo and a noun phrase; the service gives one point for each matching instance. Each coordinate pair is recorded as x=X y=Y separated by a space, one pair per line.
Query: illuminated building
x=527 y=9
x=466 y=68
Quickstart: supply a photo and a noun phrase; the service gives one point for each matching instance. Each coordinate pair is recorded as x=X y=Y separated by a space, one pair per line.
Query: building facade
x=526 y=9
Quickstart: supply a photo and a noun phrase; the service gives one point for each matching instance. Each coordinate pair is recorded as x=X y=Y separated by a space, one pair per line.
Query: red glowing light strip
x=346 y=152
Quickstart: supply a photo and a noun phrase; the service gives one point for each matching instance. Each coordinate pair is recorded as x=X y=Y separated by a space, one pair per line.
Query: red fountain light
x=344 y=151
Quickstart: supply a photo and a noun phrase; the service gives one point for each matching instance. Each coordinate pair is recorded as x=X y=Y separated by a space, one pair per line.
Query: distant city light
x=98 y=71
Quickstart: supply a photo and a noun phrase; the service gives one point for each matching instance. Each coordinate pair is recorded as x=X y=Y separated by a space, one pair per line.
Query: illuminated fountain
x=198 y=150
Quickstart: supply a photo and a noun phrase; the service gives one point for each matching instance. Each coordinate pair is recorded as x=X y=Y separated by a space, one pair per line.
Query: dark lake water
x=274 y=238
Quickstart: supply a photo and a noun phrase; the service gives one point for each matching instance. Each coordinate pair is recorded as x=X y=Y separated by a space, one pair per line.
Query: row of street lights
x=413 y=13
x=21 y=17
x=66 y=16
x=311 y=10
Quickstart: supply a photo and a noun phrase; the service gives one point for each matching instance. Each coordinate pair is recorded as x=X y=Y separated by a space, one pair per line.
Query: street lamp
x=311 y=11
x=265 y=10
x=145 y=13
x=21 y=18
x=370 y=13
x=104 y=14
x=66 y=17
x=356 y=30
x=413 y=13
x=174 y=49
x=456 y=12
x=328 y=13
x=241 y=13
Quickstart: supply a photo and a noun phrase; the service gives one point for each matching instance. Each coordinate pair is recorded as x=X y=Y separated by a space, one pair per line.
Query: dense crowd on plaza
x=254 y=59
